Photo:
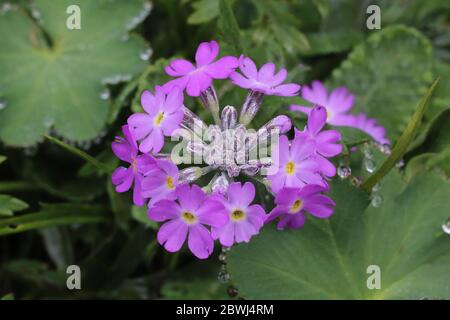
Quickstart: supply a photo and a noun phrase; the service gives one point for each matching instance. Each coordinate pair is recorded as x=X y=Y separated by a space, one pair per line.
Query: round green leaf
x=53 y=76
x=330 y=259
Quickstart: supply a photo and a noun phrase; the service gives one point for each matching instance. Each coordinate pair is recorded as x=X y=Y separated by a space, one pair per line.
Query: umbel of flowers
x=295 y=172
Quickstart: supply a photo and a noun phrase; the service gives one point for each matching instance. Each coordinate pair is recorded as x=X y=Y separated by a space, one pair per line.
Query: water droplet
x=232 y=292
x=222 y=257
x=367 y=151
x=446 y=227
x=344 y=172
x=223 y=276
x=2 y=103
x=35 y=13
x=125 y=37
x=104 y=95
x=377 y=200
x=226 y=249
x=369 y=165
x=400 y=164
x=146 y=54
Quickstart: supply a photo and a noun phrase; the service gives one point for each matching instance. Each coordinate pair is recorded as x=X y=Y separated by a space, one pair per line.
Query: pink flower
x=296 y=165
x=160 y=182
x=326 y=143
x=265 y=80
x=126 y=150
x=196 y=79
x=371 y=127
x=292 y=203
x=163 y=116
x=187 y=217
x=337 y=104
x=245 y=220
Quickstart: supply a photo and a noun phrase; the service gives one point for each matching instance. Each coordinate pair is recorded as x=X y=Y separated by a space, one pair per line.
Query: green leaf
x=329 y=259
x=100 y=166
x=59 y=246
x=9 y=296
x=8 y=205
x=204 y=11
x=403 y=142
x=53 y=77
x=54 y=215
x=388 y=73
x=2 y=159
x=229 y=27
x=140 y=214
x=352 y=136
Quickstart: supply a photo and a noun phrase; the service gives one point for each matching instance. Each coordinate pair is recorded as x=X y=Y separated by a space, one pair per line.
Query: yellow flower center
x=298 y=204
x=169 y=183
x=159 y=118
x=237 y=215
x=329 y=114
x=188 y=217
x=290 y=167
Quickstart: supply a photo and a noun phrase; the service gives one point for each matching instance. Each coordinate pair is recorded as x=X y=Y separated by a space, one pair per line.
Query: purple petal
x=287 y=90
x=206 y=53
x=286 y=196
x=212 y=213
x=172 y=235
x=241 y=81
x=180 y=83
x=148 y=102
x=172 y=122
x=341 y=100
x=317 y=93
x=179 y=67
x=266 y=73
x=303 y=109
x=200 y=241
x=248 y=68
x=174 y=101
x=278 y=78
x=222 y=68
x=140 y=124
x=123 y=179
x=138 y=198
x=164 y=210
x=122 y=150
x=153 y=143
x=225 y=234
x=197 y=83
x=190 y=198
x=316 y=120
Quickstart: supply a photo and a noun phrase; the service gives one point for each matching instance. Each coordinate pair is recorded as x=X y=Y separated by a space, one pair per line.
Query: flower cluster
x=296 y=172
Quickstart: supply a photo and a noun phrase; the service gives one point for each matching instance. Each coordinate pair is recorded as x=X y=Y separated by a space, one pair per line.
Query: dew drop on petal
x=385 y=149
x=226 y=249
x=377 y=200
x=446 y=227
x=356 y=181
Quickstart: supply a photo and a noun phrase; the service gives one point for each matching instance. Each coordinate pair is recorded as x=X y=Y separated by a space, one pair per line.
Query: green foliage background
x=58 y=207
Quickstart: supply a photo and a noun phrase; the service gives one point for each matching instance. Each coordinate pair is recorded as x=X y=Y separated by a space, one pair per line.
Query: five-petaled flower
x=187 y=216
x=296 y=165
x=163 y=116
x=245 y=219
x=292 y=203
x=196 y=79
x=265 y=80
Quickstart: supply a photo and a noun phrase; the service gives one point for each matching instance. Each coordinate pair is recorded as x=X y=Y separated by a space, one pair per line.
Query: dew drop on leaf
x=145 y=54
x=377 y=200
x=344 y=172
x=369 y=165
x=446 y=227
x=2 y=103
x=104 y=95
